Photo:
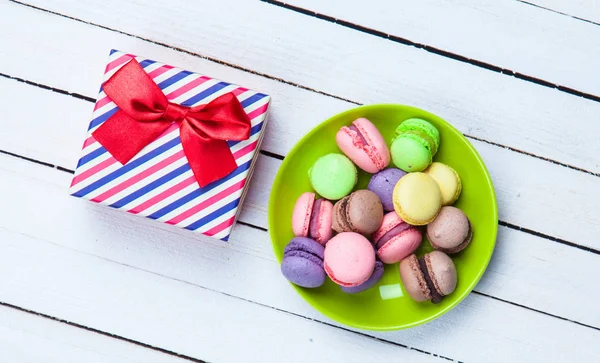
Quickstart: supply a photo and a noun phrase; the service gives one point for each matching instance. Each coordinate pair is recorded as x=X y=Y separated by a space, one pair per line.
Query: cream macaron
x=417 y=198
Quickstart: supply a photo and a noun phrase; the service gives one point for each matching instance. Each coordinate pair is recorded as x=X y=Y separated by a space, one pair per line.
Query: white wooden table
x=84 y=283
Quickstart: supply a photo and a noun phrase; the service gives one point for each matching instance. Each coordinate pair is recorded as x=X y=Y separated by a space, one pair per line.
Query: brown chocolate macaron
x=451 y=230
x=360 y=212
x=430 y=277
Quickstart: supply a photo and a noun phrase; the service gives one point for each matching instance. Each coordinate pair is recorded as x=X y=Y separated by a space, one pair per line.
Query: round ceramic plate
x=387 y=306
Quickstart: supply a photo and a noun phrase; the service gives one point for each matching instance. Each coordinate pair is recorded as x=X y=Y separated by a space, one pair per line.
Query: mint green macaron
x=333 y=176
x=415 y=144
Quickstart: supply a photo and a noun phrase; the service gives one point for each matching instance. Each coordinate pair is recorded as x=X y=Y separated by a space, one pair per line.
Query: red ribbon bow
x=145 y=113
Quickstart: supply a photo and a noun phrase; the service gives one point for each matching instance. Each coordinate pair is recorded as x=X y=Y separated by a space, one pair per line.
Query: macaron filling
x=313 y=227
x=360 y=140
x=392 y=233
x=359 y=134
x=343 y=215
x=436 y=297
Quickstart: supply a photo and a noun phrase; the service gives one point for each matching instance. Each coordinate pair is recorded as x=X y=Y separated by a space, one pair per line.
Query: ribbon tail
x=124 y=137
x=209 y=159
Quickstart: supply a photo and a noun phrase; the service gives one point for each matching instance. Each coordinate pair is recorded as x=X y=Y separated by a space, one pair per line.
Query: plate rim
x=299 y=290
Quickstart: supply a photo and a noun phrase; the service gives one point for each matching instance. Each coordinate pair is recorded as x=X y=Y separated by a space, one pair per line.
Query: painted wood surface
x=588 y=10
x=510 y=35
x=169 y=288
x=350 y=65
x=27 y=337
x=169 y=291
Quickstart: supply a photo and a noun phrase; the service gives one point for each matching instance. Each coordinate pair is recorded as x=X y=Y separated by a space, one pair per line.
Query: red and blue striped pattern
x=158 y=182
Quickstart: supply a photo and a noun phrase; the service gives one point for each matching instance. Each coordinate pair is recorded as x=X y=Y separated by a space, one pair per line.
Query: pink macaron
x=349 y=259
x=312 y=218
x=363 y=144
x=396 y=239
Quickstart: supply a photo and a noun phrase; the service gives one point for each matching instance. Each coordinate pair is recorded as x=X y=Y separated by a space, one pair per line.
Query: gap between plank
x=182 y=50
x=558 y=12
x=535 y=310
x=433 y=50
x=281 y=157
x=235 y=66
x=505 y=224
x=114 y=336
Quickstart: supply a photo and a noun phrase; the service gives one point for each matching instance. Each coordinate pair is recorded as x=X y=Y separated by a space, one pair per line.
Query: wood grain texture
x=531 y=192
x=328 y=58
x=507 y=34
x=27 y=338
x=583 y=9
x=131 y=269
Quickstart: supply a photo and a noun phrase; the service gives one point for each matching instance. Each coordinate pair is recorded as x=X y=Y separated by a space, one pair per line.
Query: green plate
x=368 y=310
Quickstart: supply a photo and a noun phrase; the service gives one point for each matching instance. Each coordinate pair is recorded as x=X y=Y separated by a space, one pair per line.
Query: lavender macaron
x=302 y=262
x=372 y=281
x=383 y=183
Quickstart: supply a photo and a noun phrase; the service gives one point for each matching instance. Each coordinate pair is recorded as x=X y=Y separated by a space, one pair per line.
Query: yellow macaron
x=417 y=198
x=448 y=181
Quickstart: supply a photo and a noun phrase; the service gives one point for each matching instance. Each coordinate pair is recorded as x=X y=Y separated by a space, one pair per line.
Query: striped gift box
x=158 y=182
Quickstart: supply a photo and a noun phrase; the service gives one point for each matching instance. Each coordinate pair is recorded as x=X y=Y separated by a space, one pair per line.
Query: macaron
x=349 y=259
x=417 y=198
x=359 y=212
x=430 y=277
x=450 y=231
x=371 y=281
x=333 y=176
x=448 y=181
x=415 y=144
x=363 y=144
x=312 y=217
x=383 y=183
x=395 y=239
x=303 y=260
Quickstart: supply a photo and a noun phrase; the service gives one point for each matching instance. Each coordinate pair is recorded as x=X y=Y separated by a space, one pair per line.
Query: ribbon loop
x=145 y=113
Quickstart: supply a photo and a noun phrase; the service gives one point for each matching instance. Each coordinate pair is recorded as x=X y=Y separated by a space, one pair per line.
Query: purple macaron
x=302 y=262
x=383 y=183
x=372 y=281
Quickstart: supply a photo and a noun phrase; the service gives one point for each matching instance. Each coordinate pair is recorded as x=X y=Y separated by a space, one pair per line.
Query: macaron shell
x=410 y=154
x=417 y=198
x=400 y=246
x=371 y=156
x=303 y=270
x=364 y=211
x=301 y=214
x=450 y=230
x=389 y=221
x=442 y=272
x=415 y=124
x=448 y=180
x=383 y=183
x=372 y=281
x=305 y=244
x=349 y=259
x=413 y=279
x=333 y=176
x=324 y=231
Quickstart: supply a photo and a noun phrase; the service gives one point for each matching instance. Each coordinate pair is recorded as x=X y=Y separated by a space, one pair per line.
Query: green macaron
x=415 y=144
x=333 y=176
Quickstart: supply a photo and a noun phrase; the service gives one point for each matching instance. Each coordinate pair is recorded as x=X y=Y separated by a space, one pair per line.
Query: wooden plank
x=479 y=102
x=523 y=184
x=160 y=268
x=508 y=34
x=26 y=337
x=582 y=9
x=169 y=314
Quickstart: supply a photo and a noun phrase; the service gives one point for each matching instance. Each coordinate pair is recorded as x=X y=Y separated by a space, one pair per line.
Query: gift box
x=171 y=145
